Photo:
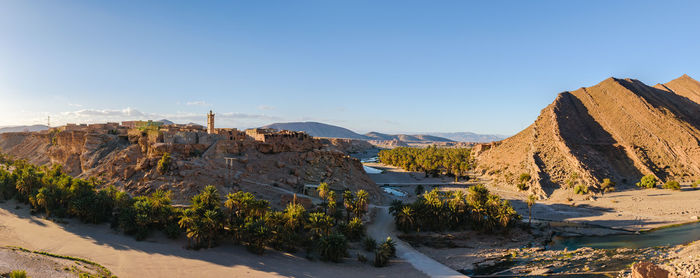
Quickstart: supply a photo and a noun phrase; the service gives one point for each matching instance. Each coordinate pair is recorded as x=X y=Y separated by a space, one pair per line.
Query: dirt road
x=383 y=227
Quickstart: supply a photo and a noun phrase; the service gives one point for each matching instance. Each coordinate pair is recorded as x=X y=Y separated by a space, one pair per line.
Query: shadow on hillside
x=226 y=254
x=594 y=146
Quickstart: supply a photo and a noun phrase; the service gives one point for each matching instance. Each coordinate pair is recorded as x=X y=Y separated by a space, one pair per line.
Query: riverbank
x=629 y=209
x=563 y=215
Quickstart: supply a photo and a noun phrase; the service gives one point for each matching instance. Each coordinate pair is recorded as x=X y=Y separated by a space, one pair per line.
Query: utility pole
x=48 y=121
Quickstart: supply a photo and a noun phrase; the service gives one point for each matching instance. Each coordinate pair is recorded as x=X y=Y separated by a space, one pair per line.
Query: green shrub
x=607 y=185
x=522 y=186
x=18 y=274
x=164 y=163
x=355 y=229
x=671 y=184
x=386 y=251
x=381 y=258
x=361 y=258
x=333 y=247
x=369 y=244
x=695 y=184
x=648 y=181
x=524 y=177
x=581 y=189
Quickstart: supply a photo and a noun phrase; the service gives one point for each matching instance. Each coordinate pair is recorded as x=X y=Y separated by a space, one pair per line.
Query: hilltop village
x=272 y=164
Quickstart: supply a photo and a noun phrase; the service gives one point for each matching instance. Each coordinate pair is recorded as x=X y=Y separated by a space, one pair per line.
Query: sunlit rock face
x=620 y=129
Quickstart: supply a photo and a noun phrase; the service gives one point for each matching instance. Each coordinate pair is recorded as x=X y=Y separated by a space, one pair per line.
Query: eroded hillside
x=620 y=129
x=230 y=160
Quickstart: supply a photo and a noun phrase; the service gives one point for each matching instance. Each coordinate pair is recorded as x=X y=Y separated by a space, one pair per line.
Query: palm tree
x=189 y=222
x=361 y=203
x=323 y=190
x=294 y=216
x=531 y=200
x=42 y=200
x=476 y=198
x=348 y=201
x=211 y=224
x=404 y=219
x=210 y=197
x=319 y=224
x=458 y=208
x=506 y=213
x=332 y=204
x=27 y=182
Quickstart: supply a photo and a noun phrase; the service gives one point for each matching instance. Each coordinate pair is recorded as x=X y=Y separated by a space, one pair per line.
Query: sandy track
x=383 y=227
x=159 y=257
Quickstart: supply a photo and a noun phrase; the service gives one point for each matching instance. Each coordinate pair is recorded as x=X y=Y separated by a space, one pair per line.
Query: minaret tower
x=210 y=122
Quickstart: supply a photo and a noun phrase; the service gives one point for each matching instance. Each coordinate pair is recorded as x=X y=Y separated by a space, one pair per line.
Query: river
x=593 y=256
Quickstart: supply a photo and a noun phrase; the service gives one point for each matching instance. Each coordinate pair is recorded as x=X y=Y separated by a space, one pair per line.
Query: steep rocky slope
x=130 y=163
x=620 y=129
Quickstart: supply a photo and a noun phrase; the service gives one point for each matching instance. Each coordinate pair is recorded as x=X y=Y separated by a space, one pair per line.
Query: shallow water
x=394 y=191
x=642 y=246
x=663 y=237
x=370 y=170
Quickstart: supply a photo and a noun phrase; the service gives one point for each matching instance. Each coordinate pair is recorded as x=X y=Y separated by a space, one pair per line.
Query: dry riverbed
x=523 y=252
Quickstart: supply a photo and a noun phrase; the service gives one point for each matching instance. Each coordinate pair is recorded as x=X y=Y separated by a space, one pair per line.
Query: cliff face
x=130 y=162
x=620 y=129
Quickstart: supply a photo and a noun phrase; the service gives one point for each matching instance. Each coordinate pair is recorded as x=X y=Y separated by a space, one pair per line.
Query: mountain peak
x=685 y=77
x=609 y=130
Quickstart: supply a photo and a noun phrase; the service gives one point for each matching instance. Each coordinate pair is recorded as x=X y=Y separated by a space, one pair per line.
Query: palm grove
x=431 y=160
x=455 y=210
x=238 y=217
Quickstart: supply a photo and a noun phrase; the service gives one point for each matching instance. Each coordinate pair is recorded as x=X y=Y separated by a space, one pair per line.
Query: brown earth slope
x=271 y=171
x=620 y=129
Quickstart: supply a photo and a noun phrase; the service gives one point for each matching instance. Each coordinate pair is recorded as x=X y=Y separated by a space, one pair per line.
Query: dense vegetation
x=454 y=210
x=431 y=160
x=238 y=217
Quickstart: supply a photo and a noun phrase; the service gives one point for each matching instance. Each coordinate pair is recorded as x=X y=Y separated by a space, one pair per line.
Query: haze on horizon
x=394 y=66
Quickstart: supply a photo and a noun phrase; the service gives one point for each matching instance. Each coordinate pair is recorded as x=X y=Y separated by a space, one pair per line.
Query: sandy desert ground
x=160 y=257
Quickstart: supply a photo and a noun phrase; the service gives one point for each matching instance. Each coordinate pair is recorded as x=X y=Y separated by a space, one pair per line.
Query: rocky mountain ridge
x=620 y=129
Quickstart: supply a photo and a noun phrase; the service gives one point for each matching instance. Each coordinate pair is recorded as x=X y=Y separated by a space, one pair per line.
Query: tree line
x=455 y=210
x=431 y=160
x=238 y=217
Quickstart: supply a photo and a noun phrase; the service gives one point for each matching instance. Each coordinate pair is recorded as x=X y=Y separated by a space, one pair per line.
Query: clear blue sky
x=391 y=66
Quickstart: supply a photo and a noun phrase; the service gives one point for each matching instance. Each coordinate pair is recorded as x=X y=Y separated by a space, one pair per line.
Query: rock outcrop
x=269 y=169
x=648 y=270
x=620 y=129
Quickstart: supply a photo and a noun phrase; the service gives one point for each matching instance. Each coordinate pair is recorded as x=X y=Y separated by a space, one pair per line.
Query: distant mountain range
x=318 y=130
x=23 y=128
x=330 y=131
x=325 y=130
x=469 y=136
x=406 y=137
